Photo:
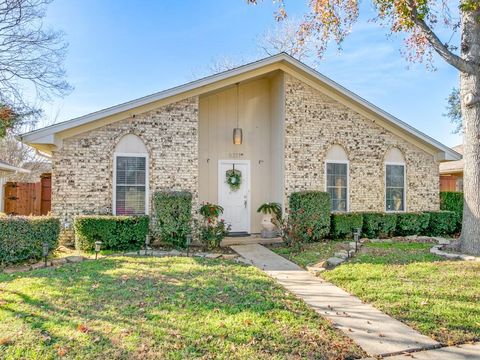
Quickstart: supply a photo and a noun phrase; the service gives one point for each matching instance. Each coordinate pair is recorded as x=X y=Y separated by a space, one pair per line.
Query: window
x=337 y=180
x=130 y=185
x=336 y=173
x=395 y=187
x=395 y=180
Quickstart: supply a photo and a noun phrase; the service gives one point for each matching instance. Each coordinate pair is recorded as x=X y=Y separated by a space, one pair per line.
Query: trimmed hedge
x=310 y=215
x=453 y=201
x=343 y=224
x=115 y=232
x=412 y=223
x=378 y=224
x=442 y=223
x=173 y=215
x=22 y=237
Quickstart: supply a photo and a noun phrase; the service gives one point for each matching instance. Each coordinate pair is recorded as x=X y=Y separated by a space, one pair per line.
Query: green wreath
x=234 y=179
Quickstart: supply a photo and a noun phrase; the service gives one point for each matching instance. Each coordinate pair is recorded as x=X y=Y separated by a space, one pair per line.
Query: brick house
x=451 y=173
x=276 y=122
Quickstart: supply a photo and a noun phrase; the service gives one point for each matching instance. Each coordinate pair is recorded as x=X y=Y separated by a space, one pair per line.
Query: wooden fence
x=28 y=198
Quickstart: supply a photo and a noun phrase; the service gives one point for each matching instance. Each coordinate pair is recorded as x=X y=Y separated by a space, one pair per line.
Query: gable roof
x=452 y=167
x=6 y=167
x=44 y=137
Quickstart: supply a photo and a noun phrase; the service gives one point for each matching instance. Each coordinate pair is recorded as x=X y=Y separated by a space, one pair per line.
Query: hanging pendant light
x=237 y=132
x=237 y=136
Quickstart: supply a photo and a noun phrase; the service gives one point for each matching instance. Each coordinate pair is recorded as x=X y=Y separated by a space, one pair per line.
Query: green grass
x=161 y=308
x=395 y=253
x=439 y=298
x=310 y=253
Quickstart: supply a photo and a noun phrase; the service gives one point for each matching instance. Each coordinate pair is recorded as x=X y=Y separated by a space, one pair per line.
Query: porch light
x=237 y=132
x=237 y=136
x=98 y=246
x=45 y=249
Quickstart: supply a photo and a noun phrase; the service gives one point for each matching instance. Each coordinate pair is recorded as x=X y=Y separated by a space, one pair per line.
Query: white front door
x=235 y=203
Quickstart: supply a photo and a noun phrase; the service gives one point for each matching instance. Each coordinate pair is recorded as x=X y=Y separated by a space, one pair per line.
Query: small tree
x=421 y=22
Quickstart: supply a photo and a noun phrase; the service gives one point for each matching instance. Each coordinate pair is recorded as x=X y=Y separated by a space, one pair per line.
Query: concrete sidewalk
x=461 y=352
x=374 y=331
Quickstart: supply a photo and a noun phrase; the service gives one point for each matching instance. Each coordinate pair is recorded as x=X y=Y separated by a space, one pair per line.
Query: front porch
x=255 y=107
x=248 y=240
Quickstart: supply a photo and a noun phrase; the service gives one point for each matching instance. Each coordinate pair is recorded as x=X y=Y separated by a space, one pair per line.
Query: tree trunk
x=470 y=96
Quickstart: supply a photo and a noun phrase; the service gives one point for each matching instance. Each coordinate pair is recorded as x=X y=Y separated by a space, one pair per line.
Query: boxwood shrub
x=442 y=223
x=453 y=201
x=22 y=237
x=115 y=232
x=173 y=216
x=378 y=225
x=310 y=215
x=413 y=223
x=343 y=224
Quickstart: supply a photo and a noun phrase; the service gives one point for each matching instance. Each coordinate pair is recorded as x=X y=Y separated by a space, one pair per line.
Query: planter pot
x=267 y=223
x=269 y=229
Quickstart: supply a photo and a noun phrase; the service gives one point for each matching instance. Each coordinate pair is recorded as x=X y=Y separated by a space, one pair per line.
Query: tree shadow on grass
x=171 y=301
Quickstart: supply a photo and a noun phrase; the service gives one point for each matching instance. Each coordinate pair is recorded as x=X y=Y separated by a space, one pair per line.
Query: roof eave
x=46 y=135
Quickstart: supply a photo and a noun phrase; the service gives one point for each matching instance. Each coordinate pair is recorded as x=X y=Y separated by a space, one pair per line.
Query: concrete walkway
x=374 y=331
x=461 y=352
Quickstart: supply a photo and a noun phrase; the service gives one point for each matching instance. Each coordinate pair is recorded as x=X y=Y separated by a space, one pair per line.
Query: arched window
x=130 y=177
x=336 y=174
x=395 y=181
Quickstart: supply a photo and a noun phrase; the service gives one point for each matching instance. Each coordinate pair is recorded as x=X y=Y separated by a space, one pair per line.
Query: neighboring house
x=5 y=171
x=451 y=173
x=295 y=129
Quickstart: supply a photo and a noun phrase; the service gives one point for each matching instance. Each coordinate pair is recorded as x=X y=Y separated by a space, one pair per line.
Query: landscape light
x=98 y=246
x=147 y=242
x=45 y=249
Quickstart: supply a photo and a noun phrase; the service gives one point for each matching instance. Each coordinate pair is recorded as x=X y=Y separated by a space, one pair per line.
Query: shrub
x=442 y=223
x=173 y=215
x=453 y=201
x=115 y=232
x=412 y=223
x=343 y=224
x=211 y=231
x=378 y=224
x=309 y=215
x=22 y=237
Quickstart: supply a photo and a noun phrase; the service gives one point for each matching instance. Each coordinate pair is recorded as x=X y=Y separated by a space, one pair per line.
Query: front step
x=254 y=239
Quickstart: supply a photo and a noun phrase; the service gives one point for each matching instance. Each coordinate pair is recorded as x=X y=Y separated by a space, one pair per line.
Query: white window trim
x=114 y=187
x=346 y=162
x=404 y=186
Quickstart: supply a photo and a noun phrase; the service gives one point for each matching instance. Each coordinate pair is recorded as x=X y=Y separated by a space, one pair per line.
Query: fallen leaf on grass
x=83 y=328
x=62 y=351
x=6 y=341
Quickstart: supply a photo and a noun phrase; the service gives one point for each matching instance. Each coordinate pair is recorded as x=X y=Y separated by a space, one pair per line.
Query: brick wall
x=82 y=171
x=314 y=122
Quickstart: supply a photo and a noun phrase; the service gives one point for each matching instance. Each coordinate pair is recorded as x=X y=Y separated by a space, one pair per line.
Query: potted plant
x=210 y=212
x=212 y=231
x=272 y=214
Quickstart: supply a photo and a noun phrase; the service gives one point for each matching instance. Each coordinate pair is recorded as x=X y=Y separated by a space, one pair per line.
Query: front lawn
x=172 y=308
x=439 y=298
x=310 y=253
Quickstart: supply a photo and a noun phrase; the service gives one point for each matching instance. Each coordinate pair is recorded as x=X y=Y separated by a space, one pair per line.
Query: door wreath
x=233 y=179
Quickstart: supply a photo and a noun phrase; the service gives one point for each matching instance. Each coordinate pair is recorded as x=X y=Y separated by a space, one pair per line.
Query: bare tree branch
x=31 y=58
x=440 y=48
